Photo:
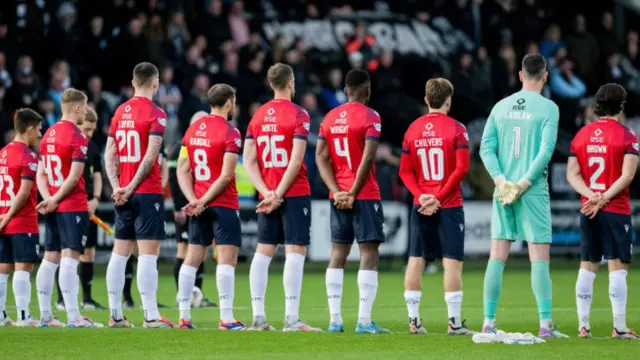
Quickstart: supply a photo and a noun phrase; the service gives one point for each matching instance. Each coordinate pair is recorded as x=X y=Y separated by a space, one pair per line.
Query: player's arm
x=629 y=167
x=96 y=177
x=112 y=163
x=406 y=171
x=164 y=171
x=489 y=150
x=229 y=163
x=70 y=183
x=547 y=147
x=295 y=163
x=148 y=162
x=462 y=167
x=26 y=184
x=250 y=164
x=323 y=161
x=368 y=159
x=183 y=173
x=42 y=182
x=574 y=178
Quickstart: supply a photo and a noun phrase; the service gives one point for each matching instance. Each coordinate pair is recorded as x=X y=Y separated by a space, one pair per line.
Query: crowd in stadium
x=48 y=46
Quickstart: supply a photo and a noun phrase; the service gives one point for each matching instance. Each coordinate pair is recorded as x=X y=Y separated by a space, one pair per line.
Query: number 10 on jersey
x=432 y=163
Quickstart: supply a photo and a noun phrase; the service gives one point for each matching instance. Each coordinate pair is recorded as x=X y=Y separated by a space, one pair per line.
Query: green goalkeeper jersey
x=519 y=139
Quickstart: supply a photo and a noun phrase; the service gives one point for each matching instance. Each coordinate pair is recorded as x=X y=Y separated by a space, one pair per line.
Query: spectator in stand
x=362 y=43
x=551 y=41
x=95 y=48
x=192 y=65
x=468 y=86
x=194 y=102
x=252 y=81
x=102 y=108
x=296 y=60
x=238 y=24
x=278 y=49
x=5 y=123
x=178 y=35
x=156 y=39
x=60 y=81
x=332 y=93
x=229 y=73
x=169 y=98
x=5 y=76
x=583 y=46
x=255 y=45
x=128 y=50
x=25 y=88
x=46 y=108
x=7 y=43
x=484 y=68
x=213 y=24
x=632 y=49
x=567 y=90
x=505 y=72
x=64 y=37
x=530 y=21
x=607 y=39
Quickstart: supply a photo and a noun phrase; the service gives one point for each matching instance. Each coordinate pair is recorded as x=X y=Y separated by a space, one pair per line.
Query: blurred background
x=48 y=46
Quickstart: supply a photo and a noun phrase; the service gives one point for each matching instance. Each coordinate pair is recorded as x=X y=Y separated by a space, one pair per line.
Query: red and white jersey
x=131 y=125
x=431 y=143
x=207 y=140
x=600 y=148
x=63 y=144
x=346 y=128
x=273 y=127
x=17 y=163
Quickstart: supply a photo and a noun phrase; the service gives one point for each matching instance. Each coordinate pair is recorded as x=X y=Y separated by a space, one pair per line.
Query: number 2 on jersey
x=278 y=156
x=342 y=149
x=432 y=163
x=593 y=181
x=131 y=140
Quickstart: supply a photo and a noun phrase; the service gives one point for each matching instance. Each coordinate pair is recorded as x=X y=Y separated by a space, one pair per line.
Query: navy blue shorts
x=19 y=248
x=438 y=236
x=289 y=224
x=182 y=232
x=219 y=222
x=141 y=218
x=66 y=230
x=609 y=235
x=363 y=222
x=92 y=237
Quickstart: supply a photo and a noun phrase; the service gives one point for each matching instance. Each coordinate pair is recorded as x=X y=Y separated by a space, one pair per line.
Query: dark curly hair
x=610 y=100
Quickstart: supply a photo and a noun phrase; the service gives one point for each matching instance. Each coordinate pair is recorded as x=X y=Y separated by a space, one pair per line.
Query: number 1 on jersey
x=342 y=150
x=516 y=142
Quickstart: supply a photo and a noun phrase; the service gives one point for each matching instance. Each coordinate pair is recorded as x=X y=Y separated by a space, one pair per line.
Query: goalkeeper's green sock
x=541 y=284
x=492 y=288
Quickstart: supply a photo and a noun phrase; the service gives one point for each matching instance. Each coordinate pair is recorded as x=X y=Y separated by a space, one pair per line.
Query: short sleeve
x=406 y=149
x=234 y=142
x=630 y=142
x=462 y=137
x=29 y=166
x=573 y=148
x=302 y=125
x=249 y=132
x=321 y=132
x=112 y=126
x=158 y=122
x=79 y=147
x=373 y=126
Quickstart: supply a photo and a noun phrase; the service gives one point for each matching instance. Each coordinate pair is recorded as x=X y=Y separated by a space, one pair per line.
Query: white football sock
x=70 y=286
x=618 y=297
x=334 y=279
x=225 y=279
x=454 y=304
x=489 y=323
x=292 y=279
x=22 y=293
x=258 y=277
x=147 y=280
x=584 y=295
x=4 y=279
x=186 y=282
x=115 y=283
x=368 y=287
x=44 y=283
x=412 y=298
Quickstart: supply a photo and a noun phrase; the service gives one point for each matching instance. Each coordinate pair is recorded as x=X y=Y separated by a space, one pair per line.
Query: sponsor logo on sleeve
x=33 y=166
x=162 y=121
x=635 y=146
x=306 y=126
x=83 y=149
x=466 y=136
x=238 y=142
x=377 y=126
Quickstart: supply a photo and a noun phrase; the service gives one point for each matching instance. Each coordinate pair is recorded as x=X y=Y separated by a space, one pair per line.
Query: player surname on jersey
x=518 y=115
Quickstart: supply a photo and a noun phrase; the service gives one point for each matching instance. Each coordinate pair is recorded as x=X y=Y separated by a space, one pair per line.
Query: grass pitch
x=517 y=312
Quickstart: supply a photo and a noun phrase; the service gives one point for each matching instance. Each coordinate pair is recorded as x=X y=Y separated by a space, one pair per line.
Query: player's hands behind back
x=4 y=220
x=194 y=208
x=121 y=195
x=343 y=200
x=429 y=204
x=593 y=205
x=47 y=206
x=270 y=202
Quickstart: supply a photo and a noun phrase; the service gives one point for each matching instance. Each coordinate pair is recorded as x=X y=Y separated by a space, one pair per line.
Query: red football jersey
x=434 y=145
x=18 y=162
x=131 y=125
x=273 y=127
x=345 y=129
x=62 y=144
x=600 y=148
x=207 y=142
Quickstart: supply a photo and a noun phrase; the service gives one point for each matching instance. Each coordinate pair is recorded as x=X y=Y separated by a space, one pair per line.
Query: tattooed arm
x=149 y=161
x=112 y=163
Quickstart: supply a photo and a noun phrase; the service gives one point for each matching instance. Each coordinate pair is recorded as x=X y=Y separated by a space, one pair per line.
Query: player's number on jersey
x=272 y=155
x=516 y=142
x=593 y=181
x=53 y=168
x=432 y=163
x=202 y=169
x=342 y=149
x=6 y=184
x=129 y=139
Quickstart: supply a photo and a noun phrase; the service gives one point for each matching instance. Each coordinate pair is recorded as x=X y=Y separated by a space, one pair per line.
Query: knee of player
x=21 y=266
x=369 y=257
x=617 y=264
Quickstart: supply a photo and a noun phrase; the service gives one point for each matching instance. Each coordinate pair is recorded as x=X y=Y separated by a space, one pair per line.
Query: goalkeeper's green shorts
x=527 y=219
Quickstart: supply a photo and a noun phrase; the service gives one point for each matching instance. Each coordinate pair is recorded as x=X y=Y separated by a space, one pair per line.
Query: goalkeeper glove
x=505 y=189
x=513 y=191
